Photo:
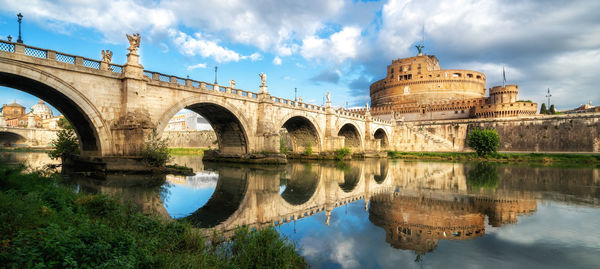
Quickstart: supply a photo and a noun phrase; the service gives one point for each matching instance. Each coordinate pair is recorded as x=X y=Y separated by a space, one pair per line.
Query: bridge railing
x=187 y=82
x=297 y=104
x=52 y=55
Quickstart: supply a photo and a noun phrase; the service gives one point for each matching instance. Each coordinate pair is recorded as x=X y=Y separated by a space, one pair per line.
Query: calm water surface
x=389 y=214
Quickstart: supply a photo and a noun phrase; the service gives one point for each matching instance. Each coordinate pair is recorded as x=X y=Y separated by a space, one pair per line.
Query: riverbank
x=540 y=158
x=45 y=222
x=187 y=151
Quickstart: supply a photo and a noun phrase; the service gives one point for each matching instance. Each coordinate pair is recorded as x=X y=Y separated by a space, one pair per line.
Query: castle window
x=462 y=111
x=456 y=75
x=456 y=112
x=470 y=75
x=392 y=70
x=429 y=75
x=438 y=75
x=478 y=77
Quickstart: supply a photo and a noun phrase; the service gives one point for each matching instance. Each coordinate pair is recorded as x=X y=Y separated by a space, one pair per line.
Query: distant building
x=587 y=108
x=188 y=121
x=417 y=89
x=40 y=116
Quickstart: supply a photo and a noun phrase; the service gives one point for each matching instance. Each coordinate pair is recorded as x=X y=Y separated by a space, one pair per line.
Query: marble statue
x=134 y=42
x=107 y=56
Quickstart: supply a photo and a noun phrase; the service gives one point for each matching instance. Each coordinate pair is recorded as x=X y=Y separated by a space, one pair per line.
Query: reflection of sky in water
x=187 y=195
x=556 y=236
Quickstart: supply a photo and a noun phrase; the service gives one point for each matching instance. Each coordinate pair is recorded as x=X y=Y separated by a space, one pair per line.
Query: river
x=380 y=213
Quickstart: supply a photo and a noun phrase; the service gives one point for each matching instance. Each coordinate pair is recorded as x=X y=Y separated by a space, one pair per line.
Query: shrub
x=484 y=141
x=282 y=147
x=308 y=149
x=66 y=141
x=156 y=151
x=340 y=154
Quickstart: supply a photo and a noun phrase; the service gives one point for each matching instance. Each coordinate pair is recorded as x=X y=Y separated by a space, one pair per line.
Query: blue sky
x=319 y=46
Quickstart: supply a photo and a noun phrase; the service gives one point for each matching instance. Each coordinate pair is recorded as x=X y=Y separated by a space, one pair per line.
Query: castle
x=418 y=89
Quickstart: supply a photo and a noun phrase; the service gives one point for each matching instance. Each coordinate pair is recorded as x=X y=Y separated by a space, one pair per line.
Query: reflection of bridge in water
x=417 y=203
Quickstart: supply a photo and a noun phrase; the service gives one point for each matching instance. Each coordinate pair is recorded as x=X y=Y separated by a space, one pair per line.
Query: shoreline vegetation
x=187 y=151
x=534 y=158
x=45 y=222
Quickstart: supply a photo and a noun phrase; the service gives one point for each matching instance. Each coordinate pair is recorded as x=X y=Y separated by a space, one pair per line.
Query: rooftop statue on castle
x=420 y=49
x=134 y=42
x=328 y=96
x=232 y=83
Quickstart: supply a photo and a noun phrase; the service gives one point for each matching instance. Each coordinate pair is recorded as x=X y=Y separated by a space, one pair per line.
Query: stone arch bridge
x=114 y=107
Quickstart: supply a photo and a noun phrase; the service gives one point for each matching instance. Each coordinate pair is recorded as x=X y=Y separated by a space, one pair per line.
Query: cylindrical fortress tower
x=420 y=80
x=504 y=95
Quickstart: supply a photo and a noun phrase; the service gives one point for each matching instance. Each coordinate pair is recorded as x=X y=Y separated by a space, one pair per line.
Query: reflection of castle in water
x=417 y=222
x=417 y=203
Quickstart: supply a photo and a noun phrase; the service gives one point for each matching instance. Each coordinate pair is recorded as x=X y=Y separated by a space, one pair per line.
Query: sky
x=319 y=46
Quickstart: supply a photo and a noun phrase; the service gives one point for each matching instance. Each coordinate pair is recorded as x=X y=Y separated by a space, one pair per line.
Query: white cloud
x=196 y=66
x=277 y=60
x=337 y=48
x=113 y=18
x=197 y=45
x=270 y=25
x=253 y=57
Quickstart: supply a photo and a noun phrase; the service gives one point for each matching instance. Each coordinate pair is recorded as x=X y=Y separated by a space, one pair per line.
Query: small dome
x=42 y=110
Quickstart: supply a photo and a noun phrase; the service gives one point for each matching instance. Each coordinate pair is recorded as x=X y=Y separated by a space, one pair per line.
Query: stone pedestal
x=263 y=89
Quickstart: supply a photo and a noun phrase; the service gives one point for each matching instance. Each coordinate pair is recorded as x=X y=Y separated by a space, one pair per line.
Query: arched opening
x=72 y=110
x=229 y=133
x=383 y=170
x=10 y=139
x=299 y=183
x=351 y=176
x=351 y=135
x=380 y=134
x=302 y=135
x=226 y=198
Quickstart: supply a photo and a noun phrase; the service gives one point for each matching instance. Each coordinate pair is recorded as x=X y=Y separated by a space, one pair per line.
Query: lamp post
x=216 y=75
x=295 y=94
x=548 y=95
x=19 y=19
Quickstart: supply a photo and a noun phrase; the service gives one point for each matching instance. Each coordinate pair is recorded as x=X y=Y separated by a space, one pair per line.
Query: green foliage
x=543 y=109
x=262 y=249
x=340 y=154
x=552 y=110
x=66 y=141
x=484 y=142
x=156 y=151
x=45 y=224
x=283 y=149
x=484 y=175
x=187 y=151
x=308 y=149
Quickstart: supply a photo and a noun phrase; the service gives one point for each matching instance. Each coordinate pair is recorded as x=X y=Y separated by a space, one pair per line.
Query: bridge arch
x=301 y=183
x=10 y=138
x=351 y=133
x=380 y=133
x=94 y=135
x=302 y=130
x=228 y=122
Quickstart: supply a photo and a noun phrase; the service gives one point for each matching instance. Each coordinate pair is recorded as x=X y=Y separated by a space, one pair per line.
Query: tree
x=543 y=110
x=552 y=110
x=66 y=141
x=484 y=141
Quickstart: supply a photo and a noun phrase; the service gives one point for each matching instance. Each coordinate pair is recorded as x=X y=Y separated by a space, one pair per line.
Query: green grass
x=187 y=151
x=45 y=223
x=536 y=158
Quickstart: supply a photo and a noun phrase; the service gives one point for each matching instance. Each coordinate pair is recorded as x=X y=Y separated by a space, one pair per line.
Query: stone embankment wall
x=191 y=139
x=557 y=133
